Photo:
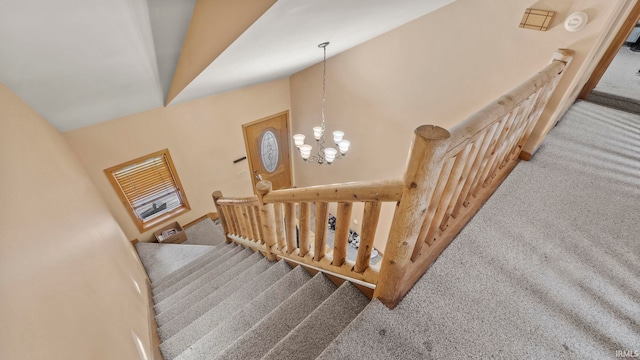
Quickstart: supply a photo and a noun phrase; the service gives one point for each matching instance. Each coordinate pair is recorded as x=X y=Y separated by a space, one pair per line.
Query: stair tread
x=160 y=260
x=243 y=289
x=386 y=337
x=168 y=314
x=166 y=282
x=206 y=284
x=258 y=340
x=178 y=317
x=160 y=293
x=205 y=232
x=218 y=266
x=228 y=331
x=321 y=327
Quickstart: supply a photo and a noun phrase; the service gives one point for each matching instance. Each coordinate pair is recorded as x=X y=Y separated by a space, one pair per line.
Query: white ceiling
x=81 y=62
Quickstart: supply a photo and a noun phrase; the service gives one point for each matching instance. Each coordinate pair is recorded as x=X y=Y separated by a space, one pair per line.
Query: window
x=149 y=188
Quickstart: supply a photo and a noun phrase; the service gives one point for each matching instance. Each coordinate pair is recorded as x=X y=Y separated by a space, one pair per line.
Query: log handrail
x=463 y=131
x=449 y=175
x=380 y=190
x=243 y=201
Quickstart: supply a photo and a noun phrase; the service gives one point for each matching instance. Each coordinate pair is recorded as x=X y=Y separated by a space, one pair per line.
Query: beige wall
x=203 y=137
x=67 y=286
x=437 y=70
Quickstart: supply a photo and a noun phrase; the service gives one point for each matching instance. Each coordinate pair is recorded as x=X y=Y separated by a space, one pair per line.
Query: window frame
x=146 y=225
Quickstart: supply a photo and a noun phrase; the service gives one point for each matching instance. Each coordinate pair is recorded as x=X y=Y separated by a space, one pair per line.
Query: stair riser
x=180 y=274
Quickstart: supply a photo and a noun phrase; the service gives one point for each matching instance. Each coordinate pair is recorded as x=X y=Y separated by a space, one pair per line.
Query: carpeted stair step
x=190 y=268
x=258 y=340
x=192 y=293
x=216 y=267
x=177 y=317
x=321 y=327
x=205 y=232
x=225 y=333
x=185 y=279
x=160 y=260
x=194 y=327
x=386 y=337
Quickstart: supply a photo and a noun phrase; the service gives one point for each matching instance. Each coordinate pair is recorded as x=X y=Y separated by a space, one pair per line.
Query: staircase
x=233 y=303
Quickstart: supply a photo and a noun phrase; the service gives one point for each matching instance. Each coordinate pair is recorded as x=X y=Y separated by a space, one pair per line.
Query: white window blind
x=149 y=185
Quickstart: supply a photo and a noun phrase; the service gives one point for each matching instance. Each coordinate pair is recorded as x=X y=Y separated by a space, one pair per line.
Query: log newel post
x=267 y=217
x=217 y=195
x=425 y=161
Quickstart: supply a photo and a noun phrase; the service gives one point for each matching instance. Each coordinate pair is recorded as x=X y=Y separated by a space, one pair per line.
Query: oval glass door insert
x=269 y=151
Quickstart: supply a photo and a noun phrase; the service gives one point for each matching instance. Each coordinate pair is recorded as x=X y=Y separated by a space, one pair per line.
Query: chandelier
x=323 y=155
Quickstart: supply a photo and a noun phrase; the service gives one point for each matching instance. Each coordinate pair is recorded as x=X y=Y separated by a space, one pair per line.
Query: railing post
x=267 y=217
x=217 y=195
x=425 y=161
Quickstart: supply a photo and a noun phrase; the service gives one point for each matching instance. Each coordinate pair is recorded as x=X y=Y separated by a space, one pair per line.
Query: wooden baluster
x=322 y=215
x=512 y=131
x=256 y=212
x=246 y=216
x=253 y=219
x=427 y=152
x=369 y=226
x=237 y=218
x=468 y=182
x=247 y=222
x=560 y=55
x=431 y=209
x=449 y=191
x=229 y=220
x=505 y=127
x=217 y=195
x=267 y=218
x=241 y=223
x=475 y=149
x=305 y=228
x=511 y=142
x=538 y=105
x=340 y=242
x=527 y=123
x=499 y=125
x=290 y=226
x=280 y=236
x=236 y=222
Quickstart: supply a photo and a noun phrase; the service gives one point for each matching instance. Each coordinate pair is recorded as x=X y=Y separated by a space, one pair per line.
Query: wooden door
x=267 y=144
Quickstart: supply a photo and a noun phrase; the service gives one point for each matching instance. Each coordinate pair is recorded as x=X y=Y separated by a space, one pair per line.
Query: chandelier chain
x=324 y=81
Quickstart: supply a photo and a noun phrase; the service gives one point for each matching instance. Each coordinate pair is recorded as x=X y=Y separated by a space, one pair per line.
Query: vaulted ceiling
x=81 y=62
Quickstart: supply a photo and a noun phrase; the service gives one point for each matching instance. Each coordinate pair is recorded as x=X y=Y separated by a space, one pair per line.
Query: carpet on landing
x=549 y=268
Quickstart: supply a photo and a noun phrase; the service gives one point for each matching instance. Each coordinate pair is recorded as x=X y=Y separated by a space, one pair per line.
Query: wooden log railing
x=449 y=175
x=286 y=235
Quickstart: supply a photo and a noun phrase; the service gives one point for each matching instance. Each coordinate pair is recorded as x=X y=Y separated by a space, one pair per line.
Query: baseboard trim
x=154 y=339
x=194 y=221
x=211 y=215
